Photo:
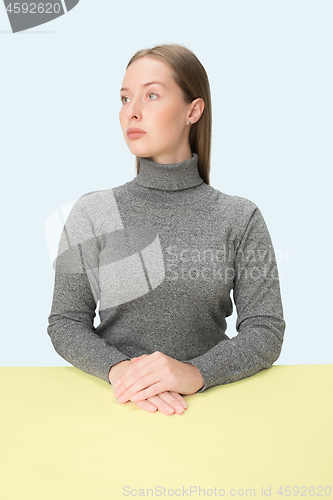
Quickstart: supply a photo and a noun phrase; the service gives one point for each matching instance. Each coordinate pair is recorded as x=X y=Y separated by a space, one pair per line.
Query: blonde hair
x=190 y=75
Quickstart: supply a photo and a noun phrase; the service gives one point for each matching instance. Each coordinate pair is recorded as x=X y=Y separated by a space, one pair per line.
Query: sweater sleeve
x=75 y=297
x=260 y=324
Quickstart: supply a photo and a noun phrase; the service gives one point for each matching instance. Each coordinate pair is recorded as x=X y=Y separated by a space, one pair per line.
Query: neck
x=169 y=176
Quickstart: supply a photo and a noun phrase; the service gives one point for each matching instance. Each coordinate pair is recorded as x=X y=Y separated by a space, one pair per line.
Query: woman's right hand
x=167 y=402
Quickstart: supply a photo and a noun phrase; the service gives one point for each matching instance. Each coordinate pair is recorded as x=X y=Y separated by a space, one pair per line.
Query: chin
x=140 y=151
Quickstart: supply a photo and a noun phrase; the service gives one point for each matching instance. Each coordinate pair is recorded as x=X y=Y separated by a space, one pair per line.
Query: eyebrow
x=144 y=85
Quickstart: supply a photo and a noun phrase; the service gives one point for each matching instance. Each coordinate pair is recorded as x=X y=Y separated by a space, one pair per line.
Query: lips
x=133 y=133
x=130 y=130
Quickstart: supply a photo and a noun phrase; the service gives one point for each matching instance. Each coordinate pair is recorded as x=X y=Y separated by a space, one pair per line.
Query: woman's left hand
x=156 y=373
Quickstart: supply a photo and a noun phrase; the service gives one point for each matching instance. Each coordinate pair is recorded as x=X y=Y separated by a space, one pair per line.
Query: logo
x=121 y=263
x=25 y=15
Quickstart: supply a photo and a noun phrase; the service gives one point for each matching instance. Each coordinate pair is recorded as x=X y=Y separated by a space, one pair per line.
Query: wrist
x=198 y=381
x=117 y=369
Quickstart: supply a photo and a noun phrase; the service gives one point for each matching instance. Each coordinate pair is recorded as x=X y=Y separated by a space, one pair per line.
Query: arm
x=76 y=292
x=260 y=324
x=75 y=296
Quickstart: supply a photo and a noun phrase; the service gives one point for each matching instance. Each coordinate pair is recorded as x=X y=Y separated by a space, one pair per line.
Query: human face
x=158 y=109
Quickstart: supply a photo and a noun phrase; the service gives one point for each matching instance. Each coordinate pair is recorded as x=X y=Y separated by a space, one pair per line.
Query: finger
x=142 y=380
x=131 y=374
x=161 y=405
x=172 y=401
x=142 y=389
x=179 y=398
x=147 y=406
x=137 y=358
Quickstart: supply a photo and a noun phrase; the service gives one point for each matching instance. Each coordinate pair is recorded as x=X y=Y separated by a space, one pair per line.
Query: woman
x=160 y=255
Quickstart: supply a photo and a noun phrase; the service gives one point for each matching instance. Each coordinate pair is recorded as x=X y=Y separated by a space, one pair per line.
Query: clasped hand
x=149 y=375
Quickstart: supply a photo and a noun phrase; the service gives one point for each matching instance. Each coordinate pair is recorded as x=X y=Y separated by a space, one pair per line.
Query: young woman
x=159 y=255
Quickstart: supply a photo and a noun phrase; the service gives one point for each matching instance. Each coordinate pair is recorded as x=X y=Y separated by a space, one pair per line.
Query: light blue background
x=270 y=69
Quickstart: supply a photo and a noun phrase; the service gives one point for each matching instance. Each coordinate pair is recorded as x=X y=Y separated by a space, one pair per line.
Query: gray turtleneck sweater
x=157 y=258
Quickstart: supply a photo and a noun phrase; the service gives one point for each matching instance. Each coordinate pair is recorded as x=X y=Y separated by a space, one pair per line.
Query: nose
x=134 y=109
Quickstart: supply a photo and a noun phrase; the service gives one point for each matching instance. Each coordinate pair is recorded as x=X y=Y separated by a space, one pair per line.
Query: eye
x=148 y=94
x=151 y=93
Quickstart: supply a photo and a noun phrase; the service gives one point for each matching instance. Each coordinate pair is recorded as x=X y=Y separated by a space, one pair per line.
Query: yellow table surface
x=65 y=436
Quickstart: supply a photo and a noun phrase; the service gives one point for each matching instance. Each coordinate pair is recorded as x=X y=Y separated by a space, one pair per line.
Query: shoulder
x=100 y=209
x=235 y=208
x=103 y=197
x=92 y=198
x=93 y=202
x=235 y=215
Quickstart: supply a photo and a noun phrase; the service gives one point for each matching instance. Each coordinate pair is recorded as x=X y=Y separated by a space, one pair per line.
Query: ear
x=196 y=110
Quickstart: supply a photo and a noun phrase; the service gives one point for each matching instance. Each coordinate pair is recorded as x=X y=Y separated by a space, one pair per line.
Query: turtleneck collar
x=169 y=176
